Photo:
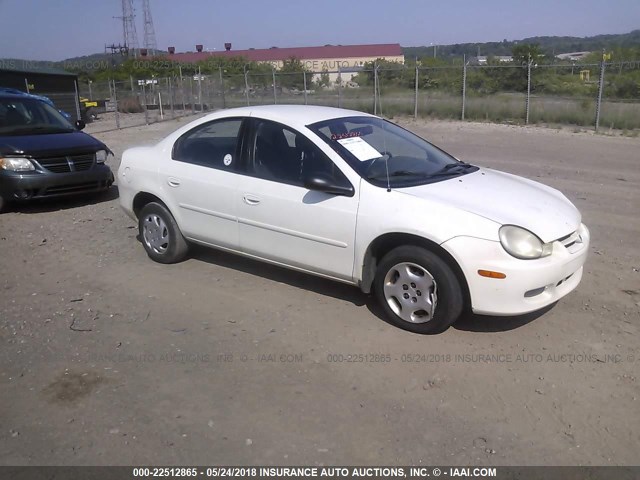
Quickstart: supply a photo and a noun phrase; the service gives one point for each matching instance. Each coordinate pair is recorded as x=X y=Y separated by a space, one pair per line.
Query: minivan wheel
x=160 y=234
x=417 y=290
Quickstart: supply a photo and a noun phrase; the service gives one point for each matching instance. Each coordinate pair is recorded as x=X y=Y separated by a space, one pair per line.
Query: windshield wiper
x=447 y=169
x=399 y=173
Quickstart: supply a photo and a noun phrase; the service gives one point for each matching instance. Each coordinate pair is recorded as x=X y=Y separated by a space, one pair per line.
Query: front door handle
x=173 y=182
x=250 y=199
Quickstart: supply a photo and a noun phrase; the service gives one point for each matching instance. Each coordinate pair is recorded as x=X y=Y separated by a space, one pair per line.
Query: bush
x=130 y=105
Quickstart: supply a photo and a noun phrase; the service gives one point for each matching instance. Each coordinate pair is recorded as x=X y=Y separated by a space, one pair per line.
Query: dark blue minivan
x=42 y=155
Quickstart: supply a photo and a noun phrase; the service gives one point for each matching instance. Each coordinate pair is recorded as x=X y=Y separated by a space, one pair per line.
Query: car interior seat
x=274 y=158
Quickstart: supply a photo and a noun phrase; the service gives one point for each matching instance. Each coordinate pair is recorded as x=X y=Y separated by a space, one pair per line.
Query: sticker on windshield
x=359 y=148
x=227 y=159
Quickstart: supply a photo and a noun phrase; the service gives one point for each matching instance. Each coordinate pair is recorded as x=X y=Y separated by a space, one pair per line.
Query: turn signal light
x=491 y=274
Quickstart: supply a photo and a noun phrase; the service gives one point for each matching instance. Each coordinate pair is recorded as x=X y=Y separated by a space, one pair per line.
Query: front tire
x=161 y=237
x=417 y=290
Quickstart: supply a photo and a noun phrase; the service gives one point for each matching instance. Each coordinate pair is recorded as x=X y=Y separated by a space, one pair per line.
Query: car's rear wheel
x=160 y=234
x=417 y=290
x=2 y=204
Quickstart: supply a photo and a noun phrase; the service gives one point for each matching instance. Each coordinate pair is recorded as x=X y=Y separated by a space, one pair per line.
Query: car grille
x=66 y=164
x=79 y=187
x=572 y=242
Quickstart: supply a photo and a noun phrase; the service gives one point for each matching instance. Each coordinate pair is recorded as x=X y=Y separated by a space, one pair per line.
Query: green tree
x=291 y=75
x=524 y=52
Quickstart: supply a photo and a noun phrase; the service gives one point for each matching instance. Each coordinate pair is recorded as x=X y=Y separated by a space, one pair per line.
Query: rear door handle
x=173 y=182
x=250 y=199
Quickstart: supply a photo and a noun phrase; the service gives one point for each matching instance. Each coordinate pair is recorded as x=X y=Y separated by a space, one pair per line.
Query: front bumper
x=15 y=186
x=529 y=284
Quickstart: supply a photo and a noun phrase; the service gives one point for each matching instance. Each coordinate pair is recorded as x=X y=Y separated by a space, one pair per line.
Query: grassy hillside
x=549 y=45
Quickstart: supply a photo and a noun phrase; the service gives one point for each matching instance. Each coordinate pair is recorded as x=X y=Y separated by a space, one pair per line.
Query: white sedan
x=352 y=197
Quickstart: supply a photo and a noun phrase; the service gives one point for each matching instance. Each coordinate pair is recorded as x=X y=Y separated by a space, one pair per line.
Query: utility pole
x=150 y=42
x=129 y=33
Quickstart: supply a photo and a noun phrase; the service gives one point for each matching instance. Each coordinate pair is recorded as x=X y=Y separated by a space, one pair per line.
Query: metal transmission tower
x=129 y=27
x=149 y=32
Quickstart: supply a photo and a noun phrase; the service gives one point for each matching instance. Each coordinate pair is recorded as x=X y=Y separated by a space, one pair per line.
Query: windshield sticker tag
x=227 y=159
x=359 y=148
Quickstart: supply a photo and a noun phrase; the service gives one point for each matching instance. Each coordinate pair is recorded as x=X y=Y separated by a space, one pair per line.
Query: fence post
x=246 y=85
x=339 y=87
x=415 y=99
x=160 y=104
x=200 y=89
x=600 y=88
x=173 y=110
x=90 y=94
x=464 y=84
x=77 y=100
x=224 y=101
x=526 y=120
x=144 y=103
x=375 y=88
x=273 y=76
x=131 y=80
x=115 y=101
x=304 y=80
x=191 y=99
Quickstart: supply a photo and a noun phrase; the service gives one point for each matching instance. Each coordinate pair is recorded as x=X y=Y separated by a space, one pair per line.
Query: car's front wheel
x=417 y=290
x=160 y=234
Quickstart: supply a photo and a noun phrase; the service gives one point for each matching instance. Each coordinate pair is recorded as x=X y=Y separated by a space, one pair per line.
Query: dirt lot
x=107 y=357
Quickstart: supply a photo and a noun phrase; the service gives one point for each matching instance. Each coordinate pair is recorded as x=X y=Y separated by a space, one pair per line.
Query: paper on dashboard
x=359 y=148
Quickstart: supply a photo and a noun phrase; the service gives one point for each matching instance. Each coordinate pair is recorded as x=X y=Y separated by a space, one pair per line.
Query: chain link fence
x=604 y=95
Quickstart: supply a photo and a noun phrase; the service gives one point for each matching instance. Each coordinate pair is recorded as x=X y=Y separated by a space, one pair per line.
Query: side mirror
x=80 y=124
x=323 y=183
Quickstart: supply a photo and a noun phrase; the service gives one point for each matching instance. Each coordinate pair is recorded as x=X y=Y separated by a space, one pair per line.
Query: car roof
x=7 y=94
x=300 y=115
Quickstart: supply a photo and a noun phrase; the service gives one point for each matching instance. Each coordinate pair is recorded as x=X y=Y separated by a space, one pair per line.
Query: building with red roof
x=332 y=58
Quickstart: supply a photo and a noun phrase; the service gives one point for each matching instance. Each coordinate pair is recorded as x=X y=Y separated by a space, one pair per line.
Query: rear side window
x=213 y=145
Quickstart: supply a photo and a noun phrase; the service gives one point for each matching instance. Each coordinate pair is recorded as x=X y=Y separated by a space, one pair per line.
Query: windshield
x=28 y=116
x=387 y=155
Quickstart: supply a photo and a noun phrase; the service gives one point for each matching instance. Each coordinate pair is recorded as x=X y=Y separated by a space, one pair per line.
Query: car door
x=281 y=220
x=201 y=182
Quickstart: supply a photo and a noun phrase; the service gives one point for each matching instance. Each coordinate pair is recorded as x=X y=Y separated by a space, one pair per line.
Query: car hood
x=46 y=144
x=507 y=200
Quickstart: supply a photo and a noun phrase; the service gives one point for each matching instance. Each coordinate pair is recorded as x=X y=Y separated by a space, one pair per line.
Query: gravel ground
x=107 y=357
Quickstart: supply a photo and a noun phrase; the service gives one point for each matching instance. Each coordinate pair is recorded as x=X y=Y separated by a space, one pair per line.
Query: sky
x=59 y=29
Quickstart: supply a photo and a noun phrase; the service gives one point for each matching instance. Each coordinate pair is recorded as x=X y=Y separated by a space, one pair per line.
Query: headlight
x=101 y=156
x=522 y=243
x=16 y=164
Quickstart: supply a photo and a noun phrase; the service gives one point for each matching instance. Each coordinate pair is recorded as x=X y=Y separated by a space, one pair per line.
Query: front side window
x=387 y=155
x=283 y=155
x=213 y=144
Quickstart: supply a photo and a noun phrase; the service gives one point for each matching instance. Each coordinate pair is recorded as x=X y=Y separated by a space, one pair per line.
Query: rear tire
x=161 y=237
x=2 y=204
x=417 y=290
